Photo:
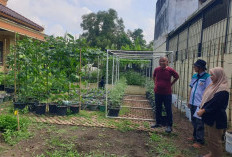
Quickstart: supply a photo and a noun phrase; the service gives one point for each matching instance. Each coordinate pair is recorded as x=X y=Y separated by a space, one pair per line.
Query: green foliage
x=2 y=78
x=116 y=93
x=9 y=124
x=150 y=89
x=106 y=30
x=134 y=78
x=49 y=67
x=163 y=146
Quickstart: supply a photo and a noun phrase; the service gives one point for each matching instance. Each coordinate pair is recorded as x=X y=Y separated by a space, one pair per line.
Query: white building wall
x=174 y=13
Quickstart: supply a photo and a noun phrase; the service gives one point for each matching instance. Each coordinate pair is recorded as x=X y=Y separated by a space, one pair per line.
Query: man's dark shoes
x=156 y=126
x=168 y=129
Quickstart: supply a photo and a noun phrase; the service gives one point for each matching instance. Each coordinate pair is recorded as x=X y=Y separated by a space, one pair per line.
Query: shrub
x=9 y=122
x=134 y=78
x=117 y=92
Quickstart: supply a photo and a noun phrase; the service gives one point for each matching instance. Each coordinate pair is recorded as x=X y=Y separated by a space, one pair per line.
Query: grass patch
x=57 y=142
x=146 y=125
x=163 y=146
x=124 y=111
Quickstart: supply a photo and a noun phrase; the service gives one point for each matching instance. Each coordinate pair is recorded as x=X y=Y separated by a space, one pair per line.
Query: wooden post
x=193 y=61
x=218 y=52
x=223 y=55
x=15 y=68
x=4 y=63
x=209 y=55
x=188 y=78
x=18 y=121
x=179 y=81
x=214 y=54
x=80 y=83
x=183 y=85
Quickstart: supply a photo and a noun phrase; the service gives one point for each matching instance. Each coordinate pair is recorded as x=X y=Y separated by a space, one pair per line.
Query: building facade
x=169 y=15
x=12 y=23
x=206 y=34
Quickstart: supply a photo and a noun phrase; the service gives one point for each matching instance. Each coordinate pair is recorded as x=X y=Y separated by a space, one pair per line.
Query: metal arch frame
x=133 y=55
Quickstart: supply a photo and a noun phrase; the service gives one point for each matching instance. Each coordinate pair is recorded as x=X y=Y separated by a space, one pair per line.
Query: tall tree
x=103 y=28
x=137 y=37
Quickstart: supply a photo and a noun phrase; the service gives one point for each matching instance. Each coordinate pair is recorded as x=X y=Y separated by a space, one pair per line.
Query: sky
x=61 y=16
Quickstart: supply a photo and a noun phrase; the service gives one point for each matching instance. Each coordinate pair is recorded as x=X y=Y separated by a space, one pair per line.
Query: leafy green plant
x=134 y=78
x=9 y=124
x=116 y=93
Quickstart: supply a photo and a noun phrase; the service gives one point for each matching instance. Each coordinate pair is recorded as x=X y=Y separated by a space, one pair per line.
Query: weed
x=124 y=111
x=146 y=125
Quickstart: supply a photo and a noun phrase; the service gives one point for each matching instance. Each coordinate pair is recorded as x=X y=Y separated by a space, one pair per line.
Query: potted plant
x=116 y=94
x=61 y=106
x=94 y=105
x=2 y=77
x=85 y=103
x=9 y=79
x=102 y=106
x=74 y=107
x=20 y=102
x=74 y=103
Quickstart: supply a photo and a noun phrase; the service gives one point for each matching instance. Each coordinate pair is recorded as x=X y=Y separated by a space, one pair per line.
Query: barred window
x=215 y=13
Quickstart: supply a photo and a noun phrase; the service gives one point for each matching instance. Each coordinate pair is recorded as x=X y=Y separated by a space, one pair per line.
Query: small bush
x=134 y=78
x=9 y=125
x=116 y=93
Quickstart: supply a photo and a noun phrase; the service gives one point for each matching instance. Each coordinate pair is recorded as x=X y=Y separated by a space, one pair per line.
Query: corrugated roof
x=13 y=14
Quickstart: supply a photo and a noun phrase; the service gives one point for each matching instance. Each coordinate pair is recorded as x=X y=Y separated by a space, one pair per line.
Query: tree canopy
x=106 y=30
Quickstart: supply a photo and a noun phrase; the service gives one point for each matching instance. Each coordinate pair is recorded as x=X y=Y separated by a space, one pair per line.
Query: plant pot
x=40 y=109
x=229 y=142
x=52 y=108
x=6 y=98
x=2 y=87
x=92 y=107
x=19 y=105
x=9 y=90
x=102 y=108
x=61 y=110
x=113 y=112
x=74 y=109
x=84 y=106
x=31 y=106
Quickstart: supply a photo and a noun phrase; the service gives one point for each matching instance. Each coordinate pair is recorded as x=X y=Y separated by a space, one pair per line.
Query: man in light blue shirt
x=200 y=81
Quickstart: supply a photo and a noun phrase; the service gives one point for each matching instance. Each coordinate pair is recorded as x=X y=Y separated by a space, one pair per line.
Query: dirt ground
x=82 y=139
x=52 y=140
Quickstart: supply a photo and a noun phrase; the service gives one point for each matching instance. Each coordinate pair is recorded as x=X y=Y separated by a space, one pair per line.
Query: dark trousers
x=161 y=99
x=198 y=127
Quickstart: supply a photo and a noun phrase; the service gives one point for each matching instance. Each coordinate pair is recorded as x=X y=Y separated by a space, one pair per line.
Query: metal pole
x=118 y=69
x=97 y=71
x=113 y=72
x=106 y=85
x=80 y=83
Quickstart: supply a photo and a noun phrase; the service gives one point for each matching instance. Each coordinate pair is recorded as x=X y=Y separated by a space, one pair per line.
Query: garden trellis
x=149 y=57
